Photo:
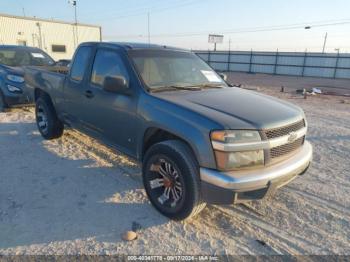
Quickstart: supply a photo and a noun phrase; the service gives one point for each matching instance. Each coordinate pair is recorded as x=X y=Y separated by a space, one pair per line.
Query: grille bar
x=286 y=149
x=285 y=130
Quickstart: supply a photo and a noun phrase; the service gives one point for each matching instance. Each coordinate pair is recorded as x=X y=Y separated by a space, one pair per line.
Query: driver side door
x=111 y=115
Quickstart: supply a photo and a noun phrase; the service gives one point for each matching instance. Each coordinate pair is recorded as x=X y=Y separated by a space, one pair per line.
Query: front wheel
x=50 y=127
x=171 y=179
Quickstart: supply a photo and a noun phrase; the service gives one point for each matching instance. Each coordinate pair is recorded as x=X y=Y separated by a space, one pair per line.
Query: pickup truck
x=13 y=58
x=199 y=140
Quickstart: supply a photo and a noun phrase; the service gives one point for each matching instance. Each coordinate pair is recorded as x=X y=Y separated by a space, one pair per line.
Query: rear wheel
x=171 y=179
x=50 y=127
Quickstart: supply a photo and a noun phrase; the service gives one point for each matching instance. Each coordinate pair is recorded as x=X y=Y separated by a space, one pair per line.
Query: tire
x=3 y=105
x=50 y=127
x=171 y=179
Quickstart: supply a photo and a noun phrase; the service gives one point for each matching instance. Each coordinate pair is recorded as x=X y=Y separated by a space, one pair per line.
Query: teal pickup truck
x=199 y=140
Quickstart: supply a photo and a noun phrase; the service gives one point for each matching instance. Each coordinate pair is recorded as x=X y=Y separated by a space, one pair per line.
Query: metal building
x=59 y=39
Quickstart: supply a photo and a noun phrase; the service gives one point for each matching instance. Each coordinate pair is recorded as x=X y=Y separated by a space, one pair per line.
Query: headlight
x=13 y=88
x=15 y=78
x=232 y=149
x=235 y=160
x=237 y=136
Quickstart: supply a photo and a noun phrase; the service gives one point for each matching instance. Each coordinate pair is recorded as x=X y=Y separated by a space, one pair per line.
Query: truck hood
x=236 y=108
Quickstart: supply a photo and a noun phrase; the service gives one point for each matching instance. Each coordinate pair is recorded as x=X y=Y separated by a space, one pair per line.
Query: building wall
x=19 y=30
x=329 y=65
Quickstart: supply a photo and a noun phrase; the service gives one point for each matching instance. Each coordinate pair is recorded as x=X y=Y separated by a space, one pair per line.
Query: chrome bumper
x=247 y=180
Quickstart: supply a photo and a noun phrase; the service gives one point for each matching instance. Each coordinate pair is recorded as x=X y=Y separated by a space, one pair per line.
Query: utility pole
x=149 y=30
x=325 y=38
x=324 y=43
x=76 y=21
x=229 y=45
x=75 y=28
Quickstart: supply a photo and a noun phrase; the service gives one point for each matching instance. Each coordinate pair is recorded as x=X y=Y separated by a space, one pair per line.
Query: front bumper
x=12 y=99
x=256 y=181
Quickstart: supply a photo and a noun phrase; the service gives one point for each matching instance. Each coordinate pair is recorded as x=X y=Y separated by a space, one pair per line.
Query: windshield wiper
x=208 y=85
x=174 y=87
x=185 y=87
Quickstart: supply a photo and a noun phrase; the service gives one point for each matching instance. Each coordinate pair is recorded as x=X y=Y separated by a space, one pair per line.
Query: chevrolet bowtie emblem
x=292 y=137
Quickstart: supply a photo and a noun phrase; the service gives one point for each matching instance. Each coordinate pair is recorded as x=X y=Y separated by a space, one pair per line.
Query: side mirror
x=223 y=76
x=116 y=84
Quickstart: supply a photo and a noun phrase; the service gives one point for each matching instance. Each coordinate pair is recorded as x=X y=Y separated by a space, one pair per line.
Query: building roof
x=46 y=20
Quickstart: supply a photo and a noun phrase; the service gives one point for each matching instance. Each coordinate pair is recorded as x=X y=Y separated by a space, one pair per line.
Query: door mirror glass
x=115 y=84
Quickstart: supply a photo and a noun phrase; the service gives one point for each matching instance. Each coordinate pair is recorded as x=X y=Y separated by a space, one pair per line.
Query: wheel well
x=156 y=135
x=40 y=93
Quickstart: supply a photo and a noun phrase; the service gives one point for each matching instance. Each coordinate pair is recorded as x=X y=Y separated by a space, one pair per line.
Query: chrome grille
x=275 y=153
x=285 y=130
x=286 y=149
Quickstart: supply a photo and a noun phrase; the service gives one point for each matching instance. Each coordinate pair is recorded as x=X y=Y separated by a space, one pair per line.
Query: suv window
x=80 y=63
x=107 y=63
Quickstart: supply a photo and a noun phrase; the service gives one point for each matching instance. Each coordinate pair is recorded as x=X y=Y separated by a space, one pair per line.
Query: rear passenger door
x=113 y=115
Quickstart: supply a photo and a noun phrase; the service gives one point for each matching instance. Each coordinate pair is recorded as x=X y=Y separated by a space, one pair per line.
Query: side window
x=80 y=63
x=107 y=63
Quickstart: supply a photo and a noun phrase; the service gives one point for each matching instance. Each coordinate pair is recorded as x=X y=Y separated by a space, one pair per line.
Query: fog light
x=14 y=89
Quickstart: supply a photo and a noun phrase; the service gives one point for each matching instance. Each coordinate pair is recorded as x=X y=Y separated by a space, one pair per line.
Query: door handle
x=89 y=94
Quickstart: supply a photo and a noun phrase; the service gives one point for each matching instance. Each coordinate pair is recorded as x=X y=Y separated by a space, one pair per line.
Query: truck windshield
x=168 y=68
x=24 y=57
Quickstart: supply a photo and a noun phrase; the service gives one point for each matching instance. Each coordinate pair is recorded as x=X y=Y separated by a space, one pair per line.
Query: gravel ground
x=75 y=196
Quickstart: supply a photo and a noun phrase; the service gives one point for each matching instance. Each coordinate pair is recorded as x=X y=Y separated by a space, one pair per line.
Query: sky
x=262 y=25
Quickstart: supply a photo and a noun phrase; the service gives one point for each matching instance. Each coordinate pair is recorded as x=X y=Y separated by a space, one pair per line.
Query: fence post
x=209 y=57
x=228 y=60
x=251 y=60
x=304 y=62
x=276 y=60
x=336 y=66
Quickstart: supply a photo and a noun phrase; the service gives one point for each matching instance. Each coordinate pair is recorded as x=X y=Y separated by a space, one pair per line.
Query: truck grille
x=286 y=149
x=280 y=151
x=282 y=131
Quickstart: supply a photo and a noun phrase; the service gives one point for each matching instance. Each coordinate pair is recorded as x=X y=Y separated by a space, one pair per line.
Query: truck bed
x=49 y=79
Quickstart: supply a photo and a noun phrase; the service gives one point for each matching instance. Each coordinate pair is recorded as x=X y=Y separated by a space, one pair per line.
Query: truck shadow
x=58 y=191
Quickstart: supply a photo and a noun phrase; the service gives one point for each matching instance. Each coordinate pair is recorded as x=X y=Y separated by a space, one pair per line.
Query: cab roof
x=133 y=45
x=20 y=47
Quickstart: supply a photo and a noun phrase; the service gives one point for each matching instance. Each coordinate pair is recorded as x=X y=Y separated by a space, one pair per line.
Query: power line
x=156 y=10
x=126 y=10
x=249 y=30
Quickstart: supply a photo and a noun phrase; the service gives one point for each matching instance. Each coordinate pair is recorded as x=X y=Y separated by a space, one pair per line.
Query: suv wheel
x=171 y=179
x=50 y=127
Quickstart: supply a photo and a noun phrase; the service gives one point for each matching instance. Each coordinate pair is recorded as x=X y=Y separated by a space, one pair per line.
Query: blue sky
x=187 y=23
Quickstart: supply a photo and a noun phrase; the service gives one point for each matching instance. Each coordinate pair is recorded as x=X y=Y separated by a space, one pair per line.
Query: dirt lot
x=75 y=196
